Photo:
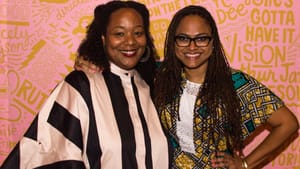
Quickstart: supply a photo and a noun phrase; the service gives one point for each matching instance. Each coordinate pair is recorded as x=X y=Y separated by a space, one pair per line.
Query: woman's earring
x=146 y=55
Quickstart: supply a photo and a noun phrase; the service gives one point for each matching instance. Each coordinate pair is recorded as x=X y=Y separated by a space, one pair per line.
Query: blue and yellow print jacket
x=257 y=101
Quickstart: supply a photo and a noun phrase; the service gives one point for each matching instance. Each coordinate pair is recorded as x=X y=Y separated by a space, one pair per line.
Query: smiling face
x=125 y=38
x=194 y=58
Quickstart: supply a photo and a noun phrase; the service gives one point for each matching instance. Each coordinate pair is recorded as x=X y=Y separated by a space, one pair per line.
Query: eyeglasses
x=185 y=41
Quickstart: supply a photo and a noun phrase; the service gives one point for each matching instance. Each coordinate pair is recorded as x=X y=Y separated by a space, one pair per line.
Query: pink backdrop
x=39 y=39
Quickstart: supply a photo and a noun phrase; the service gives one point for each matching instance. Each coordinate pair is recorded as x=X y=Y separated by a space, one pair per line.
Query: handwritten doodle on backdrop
x=39 y=39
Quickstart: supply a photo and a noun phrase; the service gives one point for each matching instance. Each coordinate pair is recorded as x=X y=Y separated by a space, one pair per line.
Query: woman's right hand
x=86 y=66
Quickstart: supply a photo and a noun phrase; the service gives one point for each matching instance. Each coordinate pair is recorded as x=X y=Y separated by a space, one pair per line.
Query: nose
x=192 y=45
x=130 y=39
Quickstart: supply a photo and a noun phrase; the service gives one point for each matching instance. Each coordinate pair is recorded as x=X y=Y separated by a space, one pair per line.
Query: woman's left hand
x=86 y=66
x=225 y=160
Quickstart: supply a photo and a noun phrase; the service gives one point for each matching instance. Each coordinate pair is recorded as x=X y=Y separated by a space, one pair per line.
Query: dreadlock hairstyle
x=92 y=49
x=218 y=91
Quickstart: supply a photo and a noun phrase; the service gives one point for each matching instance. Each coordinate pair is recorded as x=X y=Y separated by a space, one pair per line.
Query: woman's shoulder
x=241 y=78
x=237 y=74
x=76 y=76
x=80 y=80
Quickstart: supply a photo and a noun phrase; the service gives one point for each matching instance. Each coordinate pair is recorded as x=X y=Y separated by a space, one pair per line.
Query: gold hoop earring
x=146 y=55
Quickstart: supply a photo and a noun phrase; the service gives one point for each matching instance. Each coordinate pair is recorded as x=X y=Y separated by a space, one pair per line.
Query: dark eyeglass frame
x=192 y=39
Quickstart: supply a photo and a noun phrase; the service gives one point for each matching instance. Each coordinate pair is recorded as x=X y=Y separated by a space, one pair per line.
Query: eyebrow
x=197 y=35
x=122 y=27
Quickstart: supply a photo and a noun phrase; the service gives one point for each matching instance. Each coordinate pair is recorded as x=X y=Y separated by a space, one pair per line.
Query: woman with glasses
x=209 y=109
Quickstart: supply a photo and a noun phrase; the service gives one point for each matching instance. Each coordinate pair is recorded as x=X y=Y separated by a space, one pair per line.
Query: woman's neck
x=195 y=75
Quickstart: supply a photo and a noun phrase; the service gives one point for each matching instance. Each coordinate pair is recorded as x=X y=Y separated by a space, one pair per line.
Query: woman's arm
x=283 y=125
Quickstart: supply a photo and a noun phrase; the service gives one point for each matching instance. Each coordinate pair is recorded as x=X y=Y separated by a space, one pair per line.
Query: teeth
x=128 y=52
x=193 y=55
